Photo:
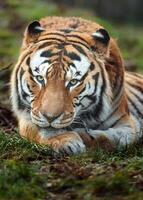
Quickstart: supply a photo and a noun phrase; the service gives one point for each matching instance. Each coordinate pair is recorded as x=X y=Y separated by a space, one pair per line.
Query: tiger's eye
x=40 y=78
x=73 y=82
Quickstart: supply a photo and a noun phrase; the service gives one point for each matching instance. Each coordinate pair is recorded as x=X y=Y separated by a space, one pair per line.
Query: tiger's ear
x=34 y=28
x=33 y=31
x=101 y=38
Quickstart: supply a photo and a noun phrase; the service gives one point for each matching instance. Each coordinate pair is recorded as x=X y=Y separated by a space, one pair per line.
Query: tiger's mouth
x=58 y=123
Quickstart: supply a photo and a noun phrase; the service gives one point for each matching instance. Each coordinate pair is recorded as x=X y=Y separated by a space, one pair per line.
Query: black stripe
x=118 y=120
x=47 y=54
x=99 y=107
x=92 y=97
x=109 y=116
x=46 y=61
x=30 y=71
x=38 y=120
x=29 y=89
x=117 y=80
x=96 y=78
x=118 y=90
x=92 y=66
x=73 y=65
x=138 y=98
x=79 y=49
x=46 y=44
x=19 y=104
x=28 y=61
x=24 y=94
x=137 y=87
x=77 y=104
x=72 y=55
x=77 y=36
x=76 y=42
x=83 y=89
x=84 y=76
x=32 y=100
x=135 y=107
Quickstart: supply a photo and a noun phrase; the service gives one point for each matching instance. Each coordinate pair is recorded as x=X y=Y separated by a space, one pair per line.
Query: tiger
x=70 y=90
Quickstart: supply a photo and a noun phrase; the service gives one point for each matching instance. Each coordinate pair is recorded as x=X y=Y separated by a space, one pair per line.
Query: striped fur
x=69 y=88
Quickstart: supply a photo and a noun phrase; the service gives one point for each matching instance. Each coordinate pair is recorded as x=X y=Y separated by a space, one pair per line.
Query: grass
x=29 y=171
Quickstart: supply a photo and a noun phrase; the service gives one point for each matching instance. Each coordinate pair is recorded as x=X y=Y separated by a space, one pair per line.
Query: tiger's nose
x=51 y=118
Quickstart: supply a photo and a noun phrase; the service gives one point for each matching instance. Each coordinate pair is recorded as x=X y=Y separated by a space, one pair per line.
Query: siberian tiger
x=69 y=88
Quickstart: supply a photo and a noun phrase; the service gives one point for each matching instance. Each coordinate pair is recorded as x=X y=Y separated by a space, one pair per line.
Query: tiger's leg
x=120 y=135
x=63 y=142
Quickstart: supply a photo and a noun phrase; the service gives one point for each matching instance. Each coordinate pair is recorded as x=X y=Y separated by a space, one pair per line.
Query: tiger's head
x=60 y=74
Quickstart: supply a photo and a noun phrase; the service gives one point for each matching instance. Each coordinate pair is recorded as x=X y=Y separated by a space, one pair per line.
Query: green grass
x=29 y=171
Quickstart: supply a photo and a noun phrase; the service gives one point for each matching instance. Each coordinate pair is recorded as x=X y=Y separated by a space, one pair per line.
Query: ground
x=29 y=171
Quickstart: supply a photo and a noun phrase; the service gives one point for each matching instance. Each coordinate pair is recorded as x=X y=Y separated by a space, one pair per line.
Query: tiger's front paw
x=67 y=144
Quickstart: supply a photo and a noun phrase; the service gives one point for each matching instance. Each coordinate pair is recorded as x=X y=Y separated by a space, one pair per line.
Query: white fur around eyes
x=82 y=65
x=36 y=61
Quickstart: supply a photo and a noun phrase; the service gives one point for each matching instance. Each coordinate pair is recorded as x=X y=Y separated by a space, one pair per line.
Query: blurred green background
x=123 y=19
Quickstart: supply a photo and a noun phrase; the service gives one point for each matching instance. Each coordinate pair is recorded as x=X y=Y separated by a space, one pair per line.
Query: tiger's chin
x=53 y=125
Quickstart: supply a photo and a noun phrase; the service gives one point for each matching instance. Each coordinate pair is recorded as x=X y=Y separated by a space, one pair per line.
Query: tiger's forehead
x=73 y=63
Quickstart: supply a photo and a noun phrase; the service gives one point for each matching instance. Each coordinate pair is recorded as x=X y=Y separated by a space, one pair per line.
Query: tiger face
x=59 y=77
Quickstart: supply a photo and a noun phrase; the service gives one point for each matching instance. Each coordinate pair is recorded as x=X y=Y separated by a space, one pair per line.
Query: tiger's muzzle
x=53 y=107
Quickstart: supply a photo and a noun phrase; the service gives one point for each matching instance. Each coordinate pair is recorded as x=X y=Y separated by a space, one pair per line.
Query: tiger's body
x=69 y=88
